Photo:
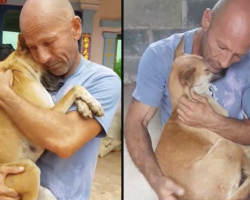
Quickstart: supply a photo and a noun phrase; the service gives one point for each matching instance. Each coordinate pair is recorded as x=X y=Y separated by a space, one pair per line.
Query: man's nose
x=225 y=60
x=44 y=55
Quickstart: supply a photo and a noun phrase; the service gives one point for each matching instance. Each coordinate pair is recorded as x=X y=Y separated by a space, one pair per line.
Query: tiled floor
x=135 y=186
x=107 y=180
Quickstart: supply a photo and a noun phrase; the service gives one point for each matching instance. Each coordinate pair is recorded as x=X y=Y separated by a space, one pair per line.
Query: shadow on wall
x=5 y=51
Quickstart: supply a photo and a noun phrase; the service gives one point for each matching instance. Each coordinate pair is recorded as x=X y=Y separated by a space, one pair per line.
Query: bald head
x=51 y=32
x=225 y=34
x=231 y=9
x=58 y=10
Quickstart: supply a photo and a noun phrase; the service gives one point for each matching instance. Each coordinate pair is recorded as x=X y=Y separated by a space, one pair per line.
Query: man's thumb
x=177 y=190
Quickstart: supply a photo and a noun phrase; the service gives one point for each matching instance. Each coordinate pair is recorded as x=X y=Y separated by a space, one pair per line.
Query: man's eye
x=222 y=48
x=46 y=44
x=240 y=56
x=33 y=48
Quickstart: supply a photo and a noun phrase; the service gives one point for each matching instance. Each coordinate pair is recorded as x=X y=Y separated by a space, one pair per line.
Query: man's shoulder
x=89 y=71
x=169 y=44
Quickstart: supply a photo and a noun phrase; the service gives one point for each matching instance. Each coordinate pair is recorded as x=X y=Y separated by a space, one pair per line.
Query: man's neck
x=78 y=60
x=197 y=43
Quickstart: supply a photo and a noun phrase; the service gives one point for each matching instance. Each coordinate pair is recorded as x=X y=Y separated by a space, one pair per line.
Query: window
x=118 y=60
x=11 y=27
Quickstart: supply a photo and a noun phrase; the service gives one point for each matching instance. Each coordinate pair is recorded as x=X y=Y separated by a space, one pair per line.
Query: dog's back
x=206 y=165
x=25 y=83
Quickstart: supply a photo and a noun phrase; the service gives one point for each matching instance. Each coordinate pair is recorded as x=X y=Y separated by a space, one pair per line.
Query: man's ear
x=179 y=51
x=76 y=27
x=206 y=19
x=22 y=48
x=187 y=77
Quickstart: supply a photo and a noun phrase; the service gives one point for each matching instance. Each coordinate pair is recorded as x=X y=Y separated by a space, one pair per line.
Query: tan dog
x=15 y=149
x=208 y=166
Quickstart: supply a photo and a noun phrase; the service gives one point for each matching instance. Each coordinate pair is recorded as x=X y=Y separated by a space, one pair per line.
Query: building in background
x=101 y=32
x=147 y=21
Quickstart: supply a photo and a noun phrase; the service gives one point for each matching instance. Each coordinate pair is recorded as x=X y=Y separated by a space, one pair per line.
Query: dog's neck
x=177 y=90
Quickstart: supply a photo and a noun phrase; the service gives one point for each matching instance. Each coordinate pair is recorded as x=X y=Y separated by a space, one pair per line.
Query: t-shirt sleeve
x=106 y=90
x=151 y=78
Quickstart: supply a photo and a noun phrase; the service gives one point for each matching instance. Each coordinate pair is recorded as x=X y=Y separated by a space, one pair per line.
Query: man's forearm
x=140 y=148
x=232 y=129
x=40 y=125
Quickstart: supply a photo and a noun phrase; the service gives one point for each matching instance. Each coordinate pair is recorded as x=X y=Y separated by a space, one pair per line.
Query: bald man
x=51 y=31
x=224 y=41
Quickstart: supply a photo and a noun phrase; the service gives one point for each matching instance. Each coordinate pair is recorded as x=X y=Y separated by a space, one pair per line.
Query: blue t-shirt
x=232 y=91
x=71 y=179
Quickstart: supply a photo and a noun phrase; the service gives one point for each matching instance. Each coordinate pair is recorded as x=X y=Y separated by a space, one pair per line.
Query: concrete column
x=110 y=42
x=89 y=7
x=109 y=49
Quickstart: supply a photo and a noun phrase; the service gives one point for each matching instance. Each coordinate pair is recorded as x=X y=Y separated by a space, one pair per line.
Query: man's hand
x=5 y=192
x=165 y=188
x=6 y=78
x=198 y=114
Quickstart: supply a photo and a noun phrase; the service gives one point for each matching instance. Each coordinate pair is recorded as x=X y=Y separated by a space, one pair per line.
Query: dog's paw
x=94 y=105
x=96 y=108
x=83 y=109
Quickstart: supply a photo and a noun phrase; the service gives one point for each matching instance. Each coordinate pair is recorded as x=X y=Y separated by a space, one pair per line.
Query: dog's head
x=189 y=71
x=22 y=60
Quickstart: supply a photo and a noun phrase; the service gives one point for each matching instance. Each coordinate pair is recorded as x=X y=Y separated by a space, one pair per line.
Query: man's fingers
x=182 y=115
x=10 y=192
x=180 y=118
x=10 y=198
x=177 y=190
x=183 y=108
x=169 y=198
x=9 y=75
x=5 y=170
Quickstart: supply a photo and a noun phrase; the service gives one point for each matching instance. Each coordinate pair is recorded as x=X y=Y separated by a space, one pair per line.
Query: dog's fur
x=208 y=166
x=15 y=149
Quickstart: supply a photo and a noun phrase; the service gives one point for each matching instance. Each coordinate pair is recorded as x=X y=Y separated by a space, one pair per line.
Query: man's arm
x=201 y=115
x=140 y=148
x=138 y=140
x=60 y=133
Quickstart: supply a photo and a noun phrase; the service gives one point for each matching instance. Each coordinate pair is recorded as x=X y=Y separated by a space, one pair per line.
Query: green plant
x=118 y=68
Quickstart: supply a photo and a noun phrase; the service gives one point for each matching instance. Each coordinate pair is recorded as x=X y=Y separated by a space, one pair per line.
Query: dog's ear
x=179 y=51
x=21 y=45
x=187 y=77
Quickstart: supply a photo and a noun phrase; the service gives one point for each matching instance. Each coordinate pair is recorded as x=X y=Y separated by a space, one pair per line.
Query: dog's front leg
x=216 y=106
x=86 y=104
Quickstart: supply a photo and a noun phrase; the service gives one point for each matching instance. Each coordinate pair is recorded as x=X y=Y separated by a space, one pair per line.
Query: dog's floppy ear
x=179 y=51
x=21 y=45
x=187 y=77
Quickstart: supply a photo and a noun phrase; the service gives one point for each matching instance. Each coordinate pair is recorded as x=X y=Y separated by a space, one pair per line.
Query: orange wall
x=108 y=10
